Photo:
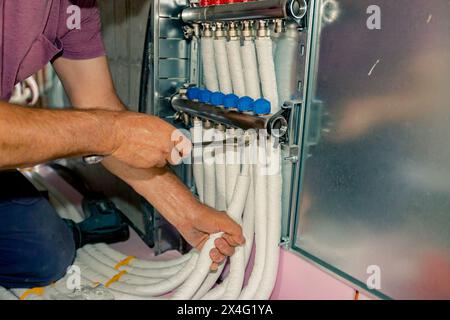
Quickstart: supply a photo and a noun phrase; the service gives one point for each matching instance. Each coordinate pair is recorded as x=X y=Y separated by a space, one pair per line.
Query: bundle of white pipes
x=243 y=64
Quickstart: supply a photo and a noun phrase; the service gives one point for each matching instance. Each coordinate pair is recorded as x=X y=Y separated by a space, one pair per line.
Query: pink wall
x=298 y=279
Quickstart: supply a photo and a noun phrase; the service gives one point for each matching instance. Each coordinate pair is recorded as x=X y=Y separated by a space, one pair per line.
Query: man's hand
x=144 y=141
x=205 y=221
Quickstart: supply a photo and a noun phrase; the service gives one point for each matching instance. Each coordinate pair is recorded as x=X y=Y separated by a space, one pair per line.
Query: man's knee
x=57 y=253
x=36 y=250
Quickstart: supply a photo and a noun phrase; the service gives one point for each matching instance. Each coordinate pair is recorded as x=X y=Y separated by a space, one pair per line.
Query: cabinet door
x=374 y=193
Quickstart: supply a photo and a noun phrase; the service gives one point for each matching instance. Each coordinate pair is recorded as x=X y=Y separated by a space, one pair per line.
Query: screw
x=293 y=159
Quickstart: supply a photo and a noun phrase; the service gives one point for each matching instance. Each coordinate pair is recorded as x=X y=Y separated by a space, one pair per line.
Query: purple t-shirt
x=36 y=31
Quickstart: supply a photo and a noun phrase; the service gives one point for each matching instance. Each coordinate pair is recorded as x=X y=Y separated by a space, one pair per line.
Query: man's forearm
x=159 y=186
x=31 y=136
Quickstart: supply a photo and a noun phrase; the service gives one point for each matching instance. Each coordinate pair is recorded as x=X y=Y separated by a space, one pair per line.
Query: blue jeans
x=36 y=246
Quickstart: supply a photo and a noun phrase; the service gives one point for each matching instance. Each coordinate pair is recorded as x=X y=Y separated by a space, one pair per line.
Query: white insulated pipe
x=144 y=264
x=6 y=294
x=235 y=212
x=236 y=66
x=151 y=290
x=220 y=169
x=91 y=277
x=209 y=65
x=209 y=172
x=221 y=59
x=266 y=67
x=190 y=287
x=285 y=62
x=237 y=261
x=248 y=230
x=134 y=273
x=233 y=166
x=250 y=67
x=274 y=184
x=20 y=292
x=221 y=204
x=260 y=184
x=197 y=157
x=223 y=69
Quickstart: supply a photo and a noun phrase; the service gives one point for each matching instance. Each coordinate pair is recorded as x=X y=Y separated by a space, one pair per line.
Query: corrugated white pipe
x=236 y=67
x=266 y=67
x=197 y=165
x=221 y=185
x=209 y=64
x=235 y=212
x=209 y=172
x=248 y=227
x=60 y=291
x=19 y=293
x=250 y=67
x=260 y=183
x=209 y=282
x=249 y=219
x=106 y=267
x=144 y=264
x=220 y=202
x=285 y=64
x=274 y=183
x=237 y=261
x=6 y=294
x=92 y=277
x=223 y=69
x=152 y=290
x=192 y=284
x=233 y=166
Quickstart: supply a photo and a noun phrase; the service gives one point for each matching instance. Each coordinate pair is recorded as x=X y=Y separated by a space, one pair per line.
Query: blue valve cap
x=192 y=93
x=245 y=104
x=204 y=96
x=261 y=106
x=230 y=101
x=217 y=98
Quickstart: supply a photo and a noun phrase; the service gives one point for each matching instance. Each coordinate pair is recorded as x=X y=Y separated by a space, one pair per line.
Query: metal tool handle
x=93 y=159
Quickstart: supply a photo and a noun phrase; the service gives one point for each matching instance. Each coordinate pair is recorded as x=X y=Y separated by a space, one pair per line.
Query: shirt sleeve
x=86 y=41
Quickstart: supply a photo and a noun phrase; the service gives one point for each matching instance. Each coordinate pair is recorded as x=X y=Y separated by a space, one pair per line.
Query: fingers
x=223 y=247
x=214 y=266
x=230 y=240
x=216 y=256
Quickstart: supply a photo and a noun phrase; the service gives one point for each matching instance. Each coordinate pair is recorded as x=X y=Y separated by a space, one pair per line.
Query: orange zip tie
x=115 y=278
x=36 y=291
x=124 y=262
